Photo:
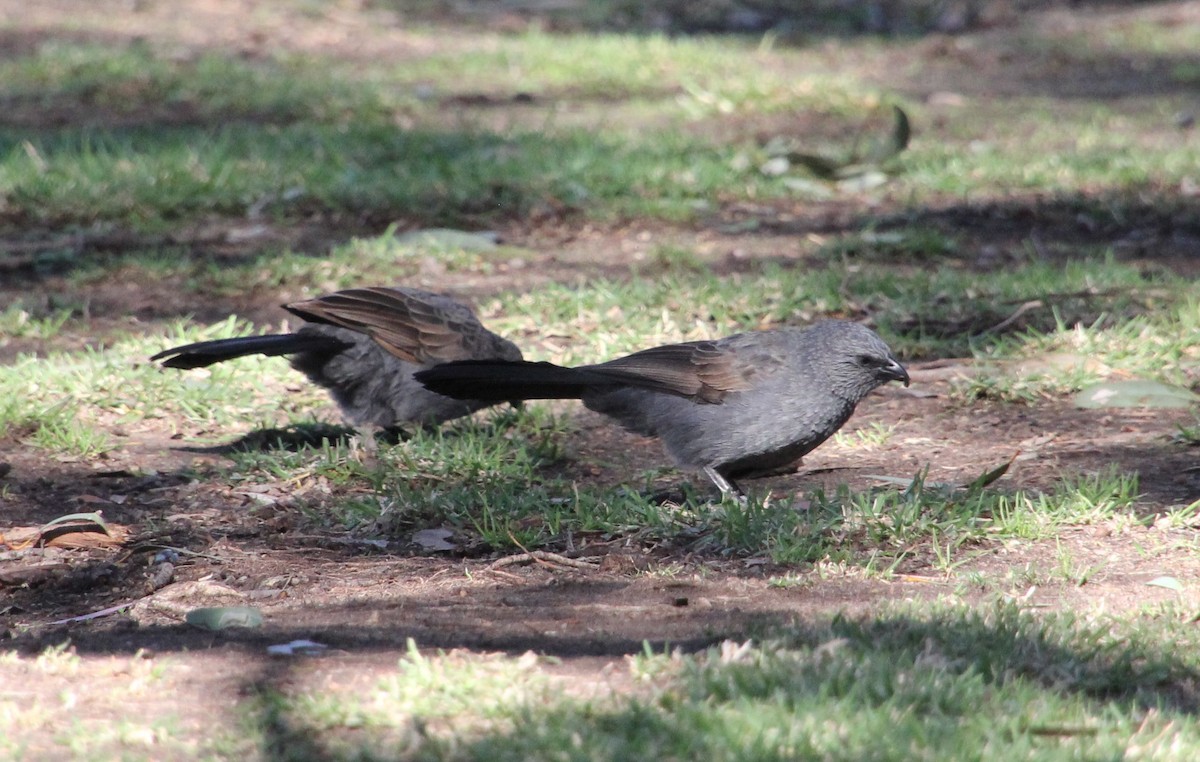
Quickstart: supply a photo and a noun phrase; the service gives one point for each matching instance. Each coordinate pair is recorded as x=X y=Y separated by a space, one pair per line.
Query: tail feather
x=205 y=353
x=509 y=380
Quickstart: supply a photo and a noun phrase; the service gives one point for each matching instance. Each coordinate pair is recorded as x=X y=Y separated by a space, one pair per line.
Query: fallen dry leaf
x=64 y=536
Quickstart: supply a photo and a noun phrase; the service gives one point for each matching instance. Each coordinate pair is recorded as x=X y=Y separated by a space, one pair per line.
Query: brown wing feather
x=416 y=326
x=702 y=370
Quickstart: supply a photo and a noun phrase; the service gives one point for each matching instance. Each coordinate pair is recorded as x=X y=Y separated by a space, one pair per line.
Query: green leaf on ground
x=224 y=617
x=1136 y=393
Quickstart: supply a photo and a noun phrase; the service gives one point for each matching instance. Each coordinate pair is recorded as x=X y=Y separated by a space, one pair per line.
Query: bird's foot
x=363 y=446
x=729 y=488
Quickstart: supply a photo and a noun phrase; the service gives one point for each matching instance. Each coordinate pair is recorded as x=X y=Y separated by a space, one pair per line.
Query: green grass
x=935 y=680
x=499 y=485
x=62 y=725
x=290 y=135
x=868 y=437
x=65 y=402
x=384 y=259
x=699 y=75
x=135 y=81
x=17 y=322
x=1036 y=150
x=148 y=177
x=929 y=682
x=1157 y=345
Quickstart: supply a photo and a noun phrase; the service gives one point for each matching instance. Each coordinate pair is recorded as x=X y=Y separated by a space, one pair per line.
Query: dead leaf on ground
x=224 y=617
x=434 y=539
x=74 y=535
x=1135 y=393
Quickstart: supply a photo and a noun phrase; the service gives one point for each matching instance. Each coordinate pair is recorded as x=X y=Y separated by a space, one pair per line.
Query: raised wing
x=416 y=326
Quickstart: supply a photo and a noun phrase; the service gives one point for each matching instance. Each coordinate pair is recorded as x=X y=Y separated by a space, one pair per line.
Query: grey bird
x=363 y=346
x=742 y=407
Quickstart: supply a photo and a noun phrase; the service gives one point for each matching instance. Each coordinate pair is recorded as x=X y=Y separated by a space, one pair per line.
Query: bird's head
x=857 y=360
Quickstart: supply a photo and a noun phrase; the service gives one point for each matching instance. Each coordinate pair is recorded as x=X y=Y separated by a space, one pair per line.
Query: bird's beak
x=894 y=371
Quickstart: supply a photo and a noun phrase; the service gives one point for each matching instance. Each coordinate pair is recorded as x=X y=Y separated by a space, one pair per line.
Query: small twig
x=155 y=546
x=101 y=613
x=517 y=542
x=543 y=557
x=1063 y=730
x=507 y=575
x=1026 y=307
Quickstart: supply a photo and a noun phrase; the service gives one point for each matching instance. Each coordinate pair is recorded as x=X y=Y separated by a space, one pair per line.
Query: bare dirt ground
x=365 y=602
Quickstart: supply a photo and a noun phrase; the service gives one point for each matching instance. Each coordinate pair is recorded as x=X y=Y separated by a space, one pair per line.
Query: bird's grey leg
x=728 y=487
x=364 y=436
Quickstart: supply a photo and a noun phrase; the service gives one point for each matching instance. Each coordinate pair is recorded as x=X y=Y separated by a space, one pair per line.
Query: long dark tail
x=509 y=380
x=205 y=353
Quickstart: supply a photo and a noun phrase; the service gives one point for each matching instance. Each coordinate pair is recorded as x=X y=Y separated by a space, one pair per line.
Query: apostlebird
x=745 y=406
x=363 y=345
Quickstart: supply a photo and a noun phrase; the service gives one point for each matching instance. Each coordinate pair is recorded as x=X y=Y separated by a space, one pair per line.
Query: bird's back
x=787 y=407
x=374 y=385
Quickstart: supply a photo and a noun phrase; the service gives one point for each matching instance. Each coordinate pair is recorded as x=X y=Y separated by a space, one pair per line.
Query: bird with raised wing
x=363 y=346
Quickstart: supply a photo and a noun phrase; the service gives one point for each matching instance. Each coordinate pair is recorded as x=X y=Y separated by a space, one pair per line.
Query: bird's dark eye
x=867 y=361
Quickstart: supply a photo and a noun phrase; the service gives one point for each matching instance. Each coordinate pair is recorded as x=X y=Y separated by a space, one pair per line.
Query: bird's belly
x=744 y=440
